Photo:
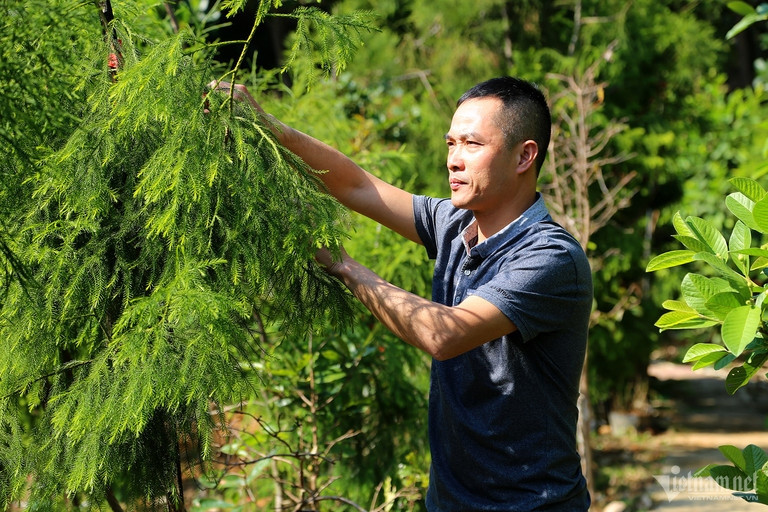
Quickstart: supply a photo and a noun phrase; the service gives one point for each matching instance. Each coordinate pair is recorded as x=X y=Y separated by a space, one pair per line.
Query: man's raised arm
x=353 y=186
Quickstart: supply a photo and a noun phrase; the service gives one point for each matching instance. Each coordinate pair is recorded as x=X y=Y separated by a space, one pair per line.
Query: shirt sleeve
x=543 y=289
x=424 y=212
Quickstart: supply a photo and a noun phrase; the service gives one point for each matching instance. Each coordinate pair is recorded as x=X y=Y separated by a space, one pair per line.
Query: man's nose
x=455 y=161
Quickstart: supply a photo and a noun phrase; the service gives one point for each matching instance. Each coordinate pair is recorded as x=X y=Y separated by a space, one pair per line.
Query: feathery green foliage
x=161 y=233
x=333 y=38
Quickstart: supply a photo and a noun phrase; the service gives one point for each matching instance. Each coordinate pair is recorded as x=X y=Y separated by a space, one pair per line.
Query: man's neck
x=490 y=223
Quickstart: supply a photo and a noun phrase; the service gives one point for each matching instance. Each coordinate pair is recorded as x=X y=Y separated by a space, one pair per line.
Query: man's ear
x=529 y=150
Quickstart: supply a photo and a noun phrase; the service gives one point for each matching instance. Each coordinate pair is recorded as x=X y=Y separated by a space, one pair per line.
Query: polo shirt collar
x=535 y=213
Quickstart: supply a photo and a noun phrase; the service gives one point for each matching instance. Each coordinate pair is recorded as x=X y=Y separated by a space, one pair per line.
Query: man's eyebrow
x=462 y=136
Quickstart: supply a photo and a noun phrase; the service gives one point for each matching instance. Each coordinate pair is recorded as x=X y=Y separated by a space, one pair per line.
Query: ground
x=691 y=414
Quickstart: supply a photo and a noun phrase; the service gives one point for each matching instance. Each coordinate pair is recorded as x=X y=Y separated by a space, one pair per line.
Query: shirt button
x=467 y=272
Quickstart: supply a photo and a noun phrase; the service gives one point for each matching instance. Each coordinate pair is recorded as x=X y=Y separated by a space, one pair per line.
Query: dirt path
x=702 y=416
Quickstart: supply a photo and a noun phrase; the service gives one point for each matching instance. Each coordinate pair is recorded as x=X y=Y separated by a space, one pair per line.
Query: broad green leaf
x=749 y=187
x=207 y=481
x=681 y=320
x=740 y=376
x=741 y=238
x=737 y=281
x=232 y=482
x=212 y=504
x=739 y=328
x=735 y=456
x=736 y=379
x=669 y=259
x=754 y=458
x=699 y=350
x=681 y=226
x=729 y=477
x=745 y=23
x=761 y=486
x=674 y=318
x=760 y=213
x=754 y=251
x=330 y=377
x=706 y=232
x=759 y=263
x=722 y=303
x=741 y=8
x=698 y=289
x=234 y=449
x=741 y=206
x=677 y=305
x=725 y=361
x=709 y=360
x=692 y=243
x=331 y=355
x=257 y=469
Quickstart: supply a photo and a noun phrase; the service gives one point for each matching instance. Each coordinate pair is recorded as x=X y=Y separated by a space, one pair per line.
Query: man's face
x=481 y=167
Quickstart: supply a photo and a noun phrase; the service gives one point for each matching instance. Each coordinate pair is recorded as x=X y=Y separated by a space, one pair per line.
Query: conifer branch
x=62 y=369
x=233 y=72
x=243 y=52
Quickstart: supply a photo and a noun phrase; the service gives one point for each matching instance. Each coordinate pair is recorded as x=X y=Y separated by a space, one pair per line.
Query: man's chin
x=457 y=202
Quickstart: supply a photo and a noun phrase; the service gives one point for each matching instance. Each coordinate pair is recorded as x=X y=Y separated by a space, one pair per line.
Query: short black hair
x=525 y=113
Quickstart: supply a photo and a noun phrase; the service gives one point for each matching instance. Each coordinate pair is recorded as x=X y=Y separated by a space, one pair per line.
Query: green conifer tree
x=158 y=227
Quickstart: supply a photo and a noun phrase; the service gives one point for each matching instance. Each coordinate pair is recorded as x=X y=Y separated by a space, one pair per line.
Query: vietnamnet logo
x=692 y=487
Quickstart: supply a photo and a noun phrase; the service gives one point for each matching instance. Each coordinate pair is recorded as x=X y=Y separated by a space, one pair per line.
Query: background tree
x=580 y=192
x=159 y=230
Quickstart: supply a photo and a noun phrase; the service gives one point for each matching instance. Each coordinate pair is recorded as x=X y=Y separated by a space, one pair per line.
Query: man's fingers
x=240 y=92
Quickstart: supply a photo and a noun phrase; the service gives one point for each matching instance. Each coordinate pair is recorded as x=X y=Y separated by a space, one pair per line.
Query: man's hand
x=331 y=265
x=240 y=93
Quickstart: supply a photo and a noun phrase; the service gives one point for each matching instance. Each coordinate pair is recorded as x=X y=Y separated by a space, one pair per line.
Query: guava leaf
x=699 y=350
x=706 y=232
x=741 y=8
x=669 y=259
x=722 y=303
x=739 y=328
x=741 y=206
x=739 y=377
x=760 y=213
x=681 y=320
x=749 y=187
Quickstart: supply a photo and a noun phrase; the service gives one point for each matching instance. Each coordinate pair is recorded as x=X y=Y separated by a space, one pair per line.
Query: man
x=512 y=294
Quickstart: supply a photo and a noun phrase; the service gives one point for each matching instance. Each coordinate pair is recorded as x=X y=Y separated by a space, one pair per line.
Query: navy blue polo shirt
x=502 y=417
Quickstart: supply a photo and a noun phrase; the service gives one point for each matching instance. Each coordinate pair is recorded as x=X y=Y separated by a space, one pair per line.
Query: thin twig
x=172 y=15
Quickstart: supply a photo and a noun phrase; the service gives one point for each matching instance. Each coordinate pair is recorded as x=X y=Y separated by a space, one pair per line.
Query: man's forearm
x=415 y=320
x=439 y=330
x=354 y=187
x=344 y=176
